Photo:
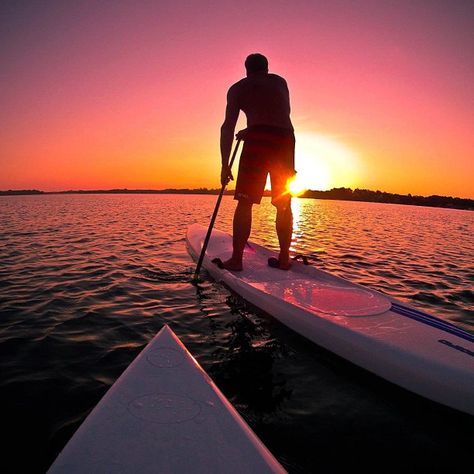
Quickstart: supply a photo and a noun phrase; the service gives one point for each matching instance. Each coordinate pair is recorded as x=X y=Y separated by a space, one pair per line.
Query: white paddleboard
x=412 y=349
x=164 y=415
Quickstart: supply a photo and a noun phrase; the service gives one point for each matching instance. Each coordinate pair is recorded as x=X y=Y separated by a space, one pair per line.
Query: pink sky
x=132 y=94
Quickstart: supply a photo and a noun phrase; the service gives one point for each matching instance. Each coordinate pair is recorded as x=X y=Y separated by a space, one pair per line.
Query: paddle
x=214 y=215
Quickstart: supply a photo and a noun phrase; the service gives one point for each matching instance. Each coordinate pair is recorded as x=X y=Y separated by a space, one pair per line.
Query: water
x=87 y=280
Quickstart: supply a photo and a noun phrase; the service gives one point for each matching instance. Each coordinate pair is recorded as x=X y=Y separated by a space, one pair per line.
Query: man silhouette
x=269 y=145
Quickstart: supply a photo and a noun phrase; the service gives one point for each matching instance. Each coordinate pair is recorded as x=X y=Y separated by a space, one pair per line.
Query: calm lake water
x=87 y=280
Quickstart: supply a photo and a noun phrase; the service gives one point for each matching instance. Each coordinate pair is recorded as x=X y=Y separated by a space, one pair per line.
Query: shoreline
x=338 y=194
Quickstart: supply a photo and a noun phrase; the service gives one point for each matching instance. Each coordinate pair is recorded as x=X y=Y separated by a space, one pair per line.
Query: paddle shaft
x=214 y=215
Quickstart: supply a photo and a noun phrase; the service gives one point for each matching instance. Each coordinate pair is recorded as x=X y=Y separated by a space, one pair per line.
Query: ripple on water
x=87 y=281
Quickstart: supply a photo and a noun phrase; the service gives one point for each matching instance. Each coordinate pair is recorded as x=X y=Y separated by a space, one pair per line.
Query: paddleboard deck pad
x=164 y=415
x=417 y=351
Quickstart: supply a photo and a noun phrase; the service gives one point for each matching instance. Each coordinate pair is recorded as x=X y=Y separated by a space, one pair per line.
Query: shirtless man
x=269 y=145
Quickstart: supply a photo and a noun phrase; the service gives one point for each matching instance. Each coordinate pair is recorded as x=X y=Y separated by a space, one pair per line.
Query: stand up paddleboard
x=412 y=349
x=164 y=415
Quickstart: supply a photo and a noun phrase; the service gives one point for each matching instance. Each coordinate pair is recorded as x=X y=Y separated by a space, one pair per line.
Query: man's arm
x=227 y=134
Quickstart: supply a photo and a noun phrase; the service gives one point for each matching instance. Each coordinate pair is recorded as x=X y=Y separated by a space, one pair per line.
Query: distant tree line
x=21 y=192
x=25 y=192
x=347 y=194
x=343 y=194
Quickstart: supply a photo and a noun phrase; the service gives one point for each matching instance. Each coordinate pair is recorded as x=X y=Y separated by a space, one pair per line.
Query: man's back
x=269 y=147
x=264 y=98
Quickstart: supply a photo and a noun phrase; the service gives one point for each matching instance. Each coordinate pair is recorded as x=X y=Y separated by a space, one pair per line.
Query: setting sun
x=296 y=186
x=323 y=162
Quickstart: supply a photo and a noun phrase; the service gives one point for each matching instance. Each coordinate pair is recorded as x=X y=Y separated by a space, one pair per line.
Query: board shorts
x=266 y=150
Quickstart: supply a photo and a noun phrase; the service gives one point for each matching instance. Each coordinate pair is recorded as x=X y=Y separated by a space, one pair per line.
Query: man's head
x=256 y=63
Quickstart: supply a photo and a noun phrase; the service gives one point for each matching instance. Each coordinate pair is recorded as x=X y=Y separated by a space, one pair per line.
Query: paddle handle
x=214 y=215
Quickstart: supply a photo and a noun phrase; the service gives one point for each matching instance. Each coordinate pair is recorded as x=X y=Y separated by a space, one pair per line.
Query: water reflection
x=296 y=209
x=391 y=248
x=246 y=371
x=87 y=280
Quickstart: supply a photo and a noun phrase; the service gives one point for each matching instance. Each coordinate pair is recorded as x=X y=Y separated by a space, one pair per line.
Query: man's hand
x=242 y=134
x=226 y=175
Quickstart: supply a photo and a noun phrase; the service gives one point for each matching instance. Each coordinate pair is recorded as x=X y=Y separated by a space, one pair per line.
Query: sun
x=311 y=174
x=323 y=162
x=295 y=186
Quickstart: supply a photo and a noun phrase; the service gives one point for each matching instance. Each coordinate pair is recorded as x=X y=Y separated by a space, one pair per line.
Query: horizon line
x=203 y=190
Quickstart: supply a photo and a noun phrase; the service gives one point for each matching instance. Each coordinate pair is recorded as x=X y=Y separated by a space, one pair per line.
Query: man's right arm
x=227 y=133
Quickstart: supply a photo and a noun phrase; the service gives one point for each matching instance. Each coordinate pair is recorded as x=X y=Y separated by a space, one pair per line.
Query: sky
x=131 y=94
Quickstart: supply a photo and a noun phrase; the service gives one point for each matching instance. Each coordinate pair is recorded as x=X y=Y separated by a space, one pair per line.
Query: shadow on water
x=244 y=352
x=245 y=370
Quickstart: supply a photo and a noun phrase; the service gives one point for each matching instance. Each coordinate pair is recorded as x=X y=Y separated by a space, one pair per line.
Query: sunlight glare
x=323 y=162
x=296 y=186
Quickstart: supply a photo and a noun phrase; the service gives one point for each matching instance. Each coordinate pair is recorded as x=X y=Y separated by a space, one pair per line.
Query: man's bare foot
x=277 y=263
x=231 y=264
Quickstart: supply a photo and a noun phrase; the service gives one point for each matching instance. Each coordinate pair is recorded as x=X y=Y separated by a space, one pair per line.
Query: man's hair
x=256 y=62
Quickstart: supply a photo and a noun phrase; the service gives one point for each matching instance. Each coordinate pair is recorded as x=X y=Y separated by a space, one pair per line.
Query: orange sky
x=132 y=94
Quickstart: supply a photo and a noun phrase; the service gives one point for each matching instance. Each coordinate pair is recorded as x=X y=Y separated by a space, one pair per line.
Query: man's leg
x=284 y=228
x=241 y=228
